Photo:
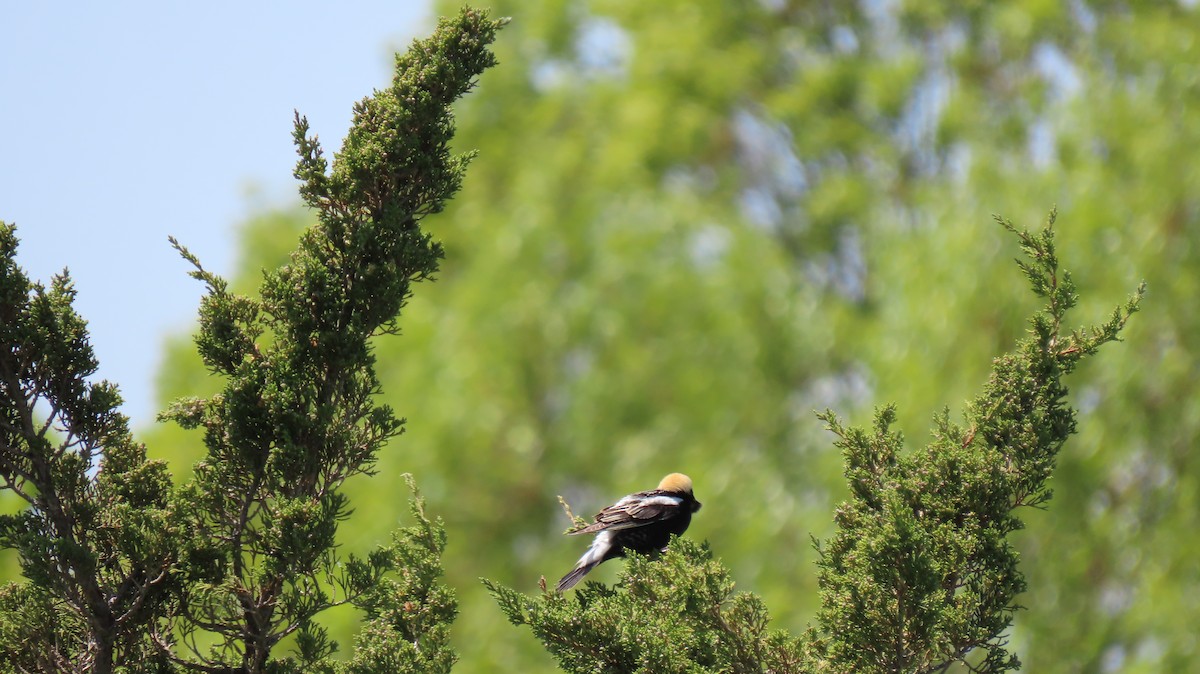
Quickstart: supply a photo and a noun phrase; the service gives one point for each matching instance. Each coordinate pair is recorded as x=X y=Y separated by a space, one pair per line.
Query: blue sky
x=122 y=123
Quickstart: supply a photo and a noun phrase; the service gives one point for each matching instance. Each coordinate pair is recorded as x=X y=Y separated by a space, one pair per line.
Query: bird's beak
x=697 y=506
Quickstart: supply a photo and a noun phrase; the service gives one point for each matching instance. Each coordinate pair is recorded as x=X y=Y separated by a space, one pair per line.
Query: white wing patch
x=662 y=500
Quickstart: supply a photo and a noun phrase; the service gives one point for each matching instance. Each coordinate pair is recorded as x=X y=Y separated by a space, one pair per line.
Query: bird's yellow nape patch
x=676 y=482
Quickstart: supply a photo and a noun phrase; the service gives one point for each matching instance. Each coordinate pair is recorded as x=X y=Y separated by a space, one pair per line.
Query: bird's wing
x=636 y=510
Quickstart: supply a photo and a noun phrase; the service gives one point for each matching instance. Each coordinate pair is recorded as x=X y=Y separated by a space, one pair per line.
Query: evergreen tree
x=122 y=574
x=920 y=575
x=97 y=547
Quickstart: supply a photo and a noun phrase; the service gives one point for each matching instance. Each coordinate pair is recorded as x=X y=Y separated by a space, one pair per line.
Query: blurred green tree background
x=693 y=222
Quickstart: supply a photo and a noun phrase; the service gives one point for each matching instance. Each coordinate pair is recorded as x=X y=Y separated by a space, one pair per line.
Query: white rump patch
x=600 y=547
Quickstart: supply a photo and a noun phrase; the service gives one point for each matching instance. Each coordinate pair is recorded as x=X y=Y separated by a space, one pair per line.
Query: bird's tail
x=590 y=559
x=568 y=581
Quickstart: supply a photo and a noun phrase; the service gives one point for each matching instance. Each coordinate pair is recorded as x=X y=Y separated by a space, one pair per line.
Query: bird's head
x=679 y=484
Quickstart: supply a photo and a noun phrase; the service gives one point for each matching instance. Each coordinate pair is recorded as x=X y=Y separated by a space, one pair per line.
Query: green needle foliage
x=297 y=416
x=921 y=574
x=676 y=613
x=124 y=575
x=408 y=618
x=95 y=546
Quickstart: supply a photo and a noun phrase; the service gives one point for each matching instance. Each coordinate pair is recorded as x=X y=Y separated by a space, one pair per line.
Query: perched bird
x=642 y=522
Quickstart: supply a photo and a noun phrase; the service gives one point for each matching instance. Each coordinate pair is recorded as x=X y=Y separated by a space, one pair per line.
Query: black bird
x=642 y=522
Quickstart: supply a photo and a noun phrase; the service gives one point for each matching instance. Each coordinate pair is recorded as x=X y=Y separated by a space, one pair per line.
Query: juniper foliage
x=297 y=417
x=123 y=574
x=408 y=615
x=676 y=613
x=95 y=546
x=921 y=575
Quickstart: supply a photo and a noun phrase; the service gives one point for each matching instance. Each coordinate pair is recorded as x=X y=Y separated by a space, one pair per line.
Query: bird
x=641 y=522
